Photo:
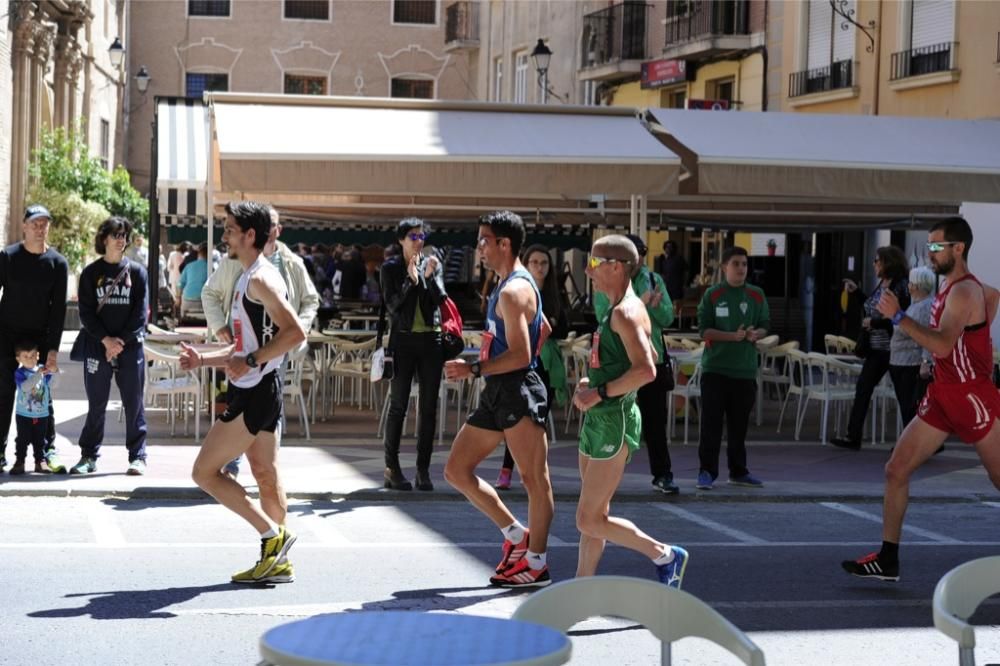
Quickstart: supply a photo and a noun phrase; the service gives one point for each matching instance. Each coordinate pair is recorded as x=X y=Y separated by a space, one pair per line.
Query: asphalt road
x=114 y=581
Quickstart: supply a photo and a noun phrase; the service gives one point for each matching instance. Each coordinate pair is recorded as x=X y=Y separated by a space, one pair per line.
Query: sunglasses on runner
x=416 y=236
x=596 y=261
x=938 y=246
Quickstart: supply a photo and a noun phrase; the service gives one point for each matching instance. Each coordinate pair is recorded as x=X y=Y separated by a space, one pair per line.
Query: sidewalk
x=344 y=460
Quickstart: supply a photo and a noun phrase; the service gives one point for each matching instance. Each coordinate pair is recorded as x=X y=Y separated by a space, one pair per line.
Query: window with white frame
x=829 y=52
x=521 y=78
x=929 y=29
x=498 y=80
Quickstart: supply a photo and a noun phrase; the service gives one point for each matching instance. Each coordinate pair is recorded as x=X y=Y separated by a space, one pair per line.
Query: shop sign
x=708 y=104
x=659 y=73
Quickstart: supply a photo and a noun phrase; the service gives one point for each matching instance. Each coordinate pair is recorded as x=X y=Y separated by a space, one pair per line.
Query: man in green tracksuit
x=732 y=317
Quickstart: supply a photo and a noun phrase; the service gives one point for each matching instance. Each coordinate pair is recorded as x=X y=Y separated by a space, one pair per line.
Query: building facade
x=376 y=48
x=54 y=70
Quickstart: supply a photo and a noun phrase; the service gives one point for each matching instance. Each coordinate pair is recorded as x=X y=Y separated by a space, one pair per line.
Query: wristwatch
x=602 y=391
x=898 y=317
x=251 y=360
x=476 y=369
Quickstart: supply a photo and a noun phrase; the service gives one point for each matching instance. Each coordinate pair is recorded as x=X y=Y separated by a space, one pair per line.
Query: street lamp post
x=542 y=55
x=116 y=53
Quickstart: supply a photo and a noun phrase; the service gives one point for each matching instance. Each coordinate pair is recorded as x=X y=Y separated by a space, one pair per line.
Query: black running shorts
x=508 y=398
x=260 y=405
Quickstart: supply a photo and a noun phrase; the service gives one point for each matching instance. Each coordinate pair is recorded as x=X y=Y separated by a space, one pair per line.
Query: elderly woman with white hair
x=909 y=363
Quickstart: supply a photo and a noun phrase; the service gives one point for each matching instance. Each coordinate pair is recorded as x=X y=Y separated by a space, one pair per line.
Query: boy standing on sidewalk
x=732 y=317
x=31 y=407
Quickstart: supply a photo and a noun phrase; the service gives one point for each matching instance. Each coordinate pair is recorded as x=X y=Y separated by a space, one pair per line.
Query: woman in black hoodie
x=412 y=290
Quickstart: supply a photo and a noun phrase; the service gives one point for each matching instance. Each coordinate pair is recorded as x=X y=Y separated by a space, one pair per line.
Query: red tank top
x=972 y=357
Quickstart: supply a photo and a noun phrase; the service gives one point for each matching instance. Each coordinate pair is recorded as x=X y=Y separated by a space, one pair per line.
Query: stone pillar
x=25 y=25
x=64 y=46
x=40 y=61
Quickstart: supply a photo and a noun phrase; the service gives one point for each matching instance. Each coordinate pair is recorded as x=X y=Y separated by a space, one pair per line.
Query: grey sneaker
x=85 y=466
x=136 y=468
x=665 y=484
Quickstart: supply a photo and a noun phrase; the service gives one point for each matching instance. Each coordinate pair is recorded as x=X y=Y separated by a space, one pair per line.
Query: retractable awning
x=182 y=158
x=278 y=145
x=847 y=158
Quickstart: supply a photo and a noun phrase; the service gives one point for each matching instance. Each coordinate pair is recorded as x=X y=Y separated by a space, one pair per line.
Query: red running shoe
x=512 y=552
x=520 y=574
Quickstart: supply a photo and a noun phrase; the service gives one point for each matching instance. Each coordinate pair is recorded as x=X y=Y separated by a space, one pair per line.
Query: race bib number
x=484 y=348
x=238 y=334
x=722 y=311
x=595 y=350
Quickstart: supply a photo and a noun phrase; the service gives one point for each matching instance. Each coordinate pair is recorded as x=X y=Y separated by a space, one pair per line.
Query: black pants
x=30 y=431
x=8 y=387
x=910 y=389
x=130 y=377
x=875 y=366
x=652 y=401
x=731 y=400
x=420 y=354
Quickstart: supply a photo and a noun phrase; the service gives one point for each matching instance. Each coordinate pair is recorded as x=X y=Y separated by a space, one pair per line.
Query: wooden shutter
x=933 y=22
x=820 y=27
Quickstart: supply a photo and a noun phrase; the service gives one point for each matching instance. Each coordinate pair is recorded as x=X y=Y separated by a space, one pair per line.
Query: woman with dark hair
x=892 y=270
x=552 y=369
x=413 y=290
x=113 y=303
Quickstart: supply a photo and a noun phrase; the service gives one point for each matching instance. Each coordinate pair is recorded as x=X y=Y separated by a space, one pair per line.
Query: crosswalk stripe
x=104 y=524
x=739 y=535
x=871 y=517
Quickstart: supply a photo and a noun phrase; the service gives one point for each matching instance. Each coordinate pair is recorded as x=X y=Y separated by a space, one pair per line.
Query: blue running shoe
x=705 y=481
x=672 y=573
x=747 y=481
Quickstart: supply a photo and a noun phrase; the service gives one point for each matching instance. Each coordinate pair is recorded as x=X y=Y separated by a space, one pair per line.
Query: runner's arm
x=956 y=316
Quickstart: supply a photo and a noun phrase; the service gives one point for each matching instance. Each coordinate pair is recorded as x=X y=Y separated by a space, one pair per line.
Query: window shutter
x=820 y=27
x=933 y=22
x=843 y=40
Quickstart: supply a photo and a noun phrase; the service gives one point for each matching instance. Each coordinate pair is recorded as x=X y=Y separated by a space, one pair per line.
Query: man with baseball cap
x=33 y=279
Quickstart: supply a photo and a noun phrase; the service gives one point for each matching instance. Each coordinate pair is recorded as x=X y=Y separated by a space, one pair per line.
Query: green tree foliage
x=63 y=167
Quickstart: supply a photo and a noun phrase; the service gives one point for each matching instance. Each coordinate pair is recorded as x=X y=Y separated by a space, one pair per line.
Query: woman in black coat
x=412 y=290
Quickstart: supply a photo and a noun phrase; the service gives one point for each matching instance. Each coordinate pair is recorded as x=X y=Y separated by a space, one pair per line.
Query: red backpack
x=451 y=330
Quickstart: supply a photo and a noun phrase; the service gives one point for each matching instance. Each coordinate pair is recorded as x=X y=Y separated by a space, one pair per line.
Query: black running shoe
x=871 y=566
x=846 y=443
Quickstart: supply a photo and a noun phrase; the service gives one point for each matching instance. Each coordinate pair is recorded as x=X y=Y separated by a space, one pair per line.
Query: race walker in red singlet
x=962 y=398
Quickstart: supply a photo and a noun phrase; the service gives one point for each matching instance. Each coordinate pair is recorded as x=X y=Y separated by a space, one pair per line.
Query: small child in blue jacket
x=31 y=407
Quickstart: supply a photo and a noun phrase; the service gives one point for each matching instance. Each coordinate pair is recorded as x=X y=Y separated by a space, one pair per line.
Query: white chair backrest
x=959 y=593
x=669 y=614
x=831 y=344
x=795 y=367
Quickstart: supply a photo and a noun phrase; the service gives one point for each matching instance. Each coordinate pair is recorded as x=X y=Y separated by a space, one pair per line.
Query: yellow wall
x=630 y=94
x=747 y=73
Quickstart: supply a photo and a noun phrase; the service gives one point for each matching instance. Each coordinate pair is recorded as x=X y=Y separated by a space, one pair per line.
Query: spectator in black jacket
x=892 y=270
x=113 y=303
x=412 y=290
x=33 y=278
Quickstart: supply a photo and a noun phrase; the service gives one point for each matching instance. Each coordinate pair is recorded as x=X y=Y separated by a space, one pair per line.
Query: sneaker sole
x=684 y=566
x=668 y=491
x=704 y=487
x=511 y=586
x=888 y=579
x=266 y=579
x=133 y=472
x=743 y=484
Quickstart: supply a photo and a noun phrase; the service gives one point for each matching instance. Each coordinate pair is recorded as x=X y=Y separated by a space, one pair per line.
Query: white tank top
x=252 y=326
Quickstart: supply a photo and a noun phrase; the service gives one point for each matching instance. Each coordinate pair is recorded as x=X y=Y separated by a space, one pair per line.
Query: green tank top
x=608 y=360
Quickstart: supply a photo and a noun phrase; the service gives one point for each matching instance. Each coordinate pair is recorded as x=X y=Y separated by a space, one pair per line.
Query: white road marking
x=104 y=524
x=739 y=535
x=871 y=517
x=995 y=505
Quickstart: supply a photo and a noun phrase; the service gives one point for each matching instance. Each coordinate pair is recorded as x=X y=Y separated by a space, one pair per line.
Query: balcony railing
x=923 y=60
x=461 y=25
x=832 y=77
x=614 y=34
x=688 y=20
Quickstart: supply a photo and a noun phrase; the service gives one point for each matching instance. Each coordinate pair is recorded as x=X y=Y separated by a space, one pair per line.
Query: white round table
x=401 y=638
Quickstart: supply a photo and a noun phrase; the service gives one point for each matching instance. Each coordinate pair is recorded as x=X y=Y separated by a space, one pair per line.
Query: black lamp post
x=116 y=52
x=542 y=55
x=142 y=79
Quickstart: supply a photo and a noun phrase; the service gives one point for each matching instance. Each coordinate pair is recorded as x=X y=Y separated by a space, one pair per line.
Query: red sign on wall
x=659 y=73
x=708 y=104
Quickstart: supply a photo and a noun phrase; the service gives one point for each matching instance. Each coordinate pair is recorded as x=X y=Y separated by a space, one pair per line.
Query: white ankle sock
x=666 y=558
x=535 y=560
x=270 y=534
x=513 y=532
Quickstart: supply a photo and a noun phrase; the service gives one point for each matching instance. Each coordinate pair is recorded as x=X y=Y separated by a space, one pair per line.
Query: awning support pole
x=633 y=213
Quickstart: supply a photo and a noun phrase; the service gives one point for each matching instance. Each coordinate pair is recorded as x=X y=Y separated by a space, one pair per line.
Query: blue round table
x=399 y=638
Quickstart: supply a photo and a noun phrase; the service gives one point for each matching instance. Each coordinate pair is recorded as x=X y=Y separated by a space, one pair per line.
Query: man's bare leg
x=600 y=481
x=529 y=445
x=591 y=548
x=263 y=458
x=988 y=449
x=916 y=445
x=471 y=446
x=224 y=442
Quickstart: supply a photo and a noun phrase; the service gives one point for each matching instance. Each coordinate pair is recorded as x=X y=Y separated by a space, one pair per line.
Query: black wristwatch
x=476 y=368
x=602 y=391
x=251 y=360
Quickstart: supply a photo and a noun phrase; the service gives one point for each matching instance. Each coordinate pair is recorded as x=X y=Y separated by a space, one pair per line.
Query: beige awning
x=282 y=144
x=835 y=157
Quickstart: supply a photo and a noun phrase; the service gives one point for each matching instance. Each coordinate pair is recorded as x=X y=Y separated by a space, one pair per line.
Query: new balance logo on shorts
x=608 y=448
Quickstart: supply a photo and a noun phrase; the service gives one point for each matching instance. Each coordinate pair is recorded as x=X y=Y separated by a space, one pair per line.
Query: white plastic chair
x=668 y=613
x=796 y=383
x=292 y=387
x=689 y=393
x=956 y=597
x=830 y=382
x=177 y=384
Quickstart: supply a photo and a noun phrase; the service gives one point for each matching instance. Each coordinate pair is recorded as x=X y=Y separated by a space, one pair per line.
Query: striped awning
x=182 y=159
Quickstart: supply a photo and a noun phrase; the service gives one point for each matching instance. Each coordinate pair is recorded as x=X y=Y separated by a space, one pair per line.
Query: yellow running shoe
x=272 y=551
x=281 y=573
